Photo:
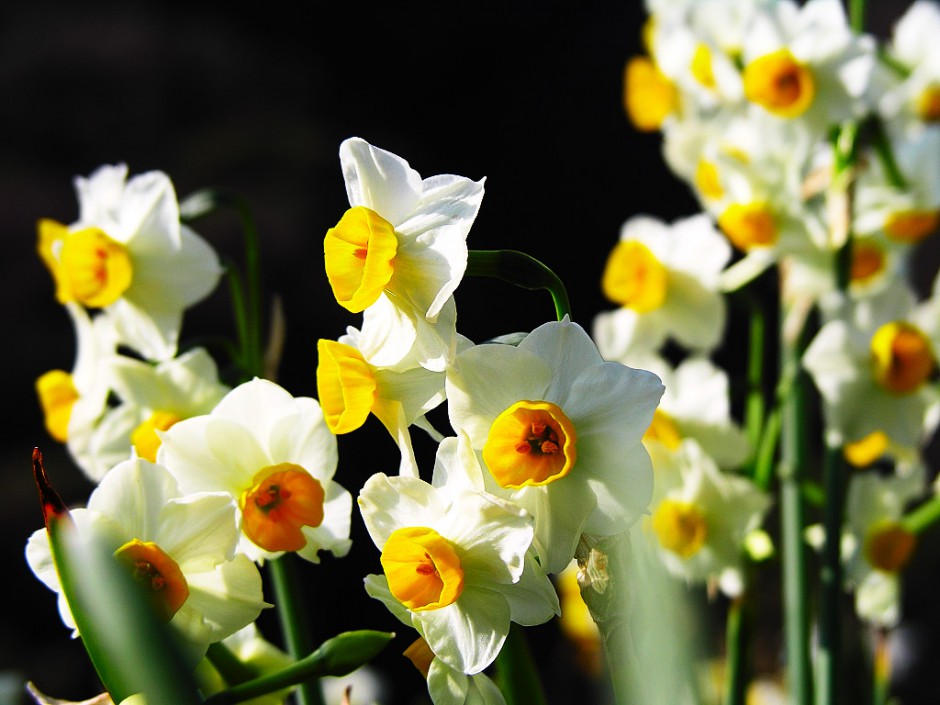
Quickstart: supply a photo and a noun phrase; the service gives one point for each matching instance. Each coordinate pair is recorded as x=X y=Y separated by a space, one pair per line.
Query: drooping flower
x=402 y=242
x=129 y=255
x=559 y=430
x=152 y=397
x=456 y=560
x=665 y=279
x=180 y=546
x=73 y=401
x=274 y=454
x=351 y=385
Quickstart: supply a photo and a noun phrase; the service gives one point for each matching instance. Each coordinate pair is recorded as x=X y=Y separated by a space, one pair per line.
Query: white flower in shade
x=457 y=562
x=560 y=432
x=902 y=215
x=876 y=546
x=128 y=254
x=874 y=369
x=665 y=278
x=804 y=62
x=73 y=401
x=180 y=546
x=153 y=397
x=696 y=405
x=700 y=523
x=910 y=96
x=275 y=456
x=350 y=386
x=403 y=242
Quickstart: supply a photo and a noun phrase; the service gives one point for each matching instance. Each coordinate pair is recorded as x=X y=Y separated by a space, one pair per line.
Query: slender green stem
x=882 y=146
x=523 y=271
x=857 y=15
x=830 y=633
x=229 y=666
x=737 y=629
x=516 y=672
x=881 y=670
x=294 y=622
x=923 y=517
x=793 y=461
x=336 y=657
x=754 y=410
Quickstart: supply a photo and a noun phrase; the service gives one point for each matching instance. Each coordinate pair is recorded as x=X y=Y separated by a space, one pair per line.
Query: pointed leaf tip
x=52 y=505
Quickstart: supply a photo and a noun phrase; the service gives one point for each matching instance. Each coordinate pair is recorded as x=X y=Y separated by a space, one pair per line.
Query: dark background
x=527 y=94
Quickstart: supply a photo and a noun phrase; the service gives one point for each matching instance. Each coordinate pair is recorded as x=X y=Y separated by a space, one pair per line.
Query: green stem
x=229 y=666
x=830 y=633
x=521 y=270
x=518 y=677
x=294 y=622
x=755 y=411
x=857 y=15
x=882 y=146
x=737 y=628
x=793 y=460
x=336 y=657
x=923 y=517
x=246 y=294
x=881 y=670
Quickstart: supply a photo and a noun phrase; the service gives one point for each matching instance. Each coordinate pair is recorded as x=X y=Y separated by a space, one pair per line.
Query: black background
x=527 y=94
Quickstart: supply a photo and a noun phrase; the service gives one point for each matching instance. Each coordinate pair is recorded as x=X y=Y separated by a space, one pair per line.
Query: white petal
x=468 y=634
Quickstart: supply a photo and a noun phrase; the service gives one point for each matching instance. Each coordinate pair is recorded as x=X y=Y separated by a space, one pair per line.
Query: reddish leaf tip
x=52 y=505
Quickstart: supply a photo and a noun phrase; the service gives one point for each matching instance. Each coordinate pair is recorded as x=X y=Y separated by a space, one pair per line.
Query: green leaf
x=132 y=651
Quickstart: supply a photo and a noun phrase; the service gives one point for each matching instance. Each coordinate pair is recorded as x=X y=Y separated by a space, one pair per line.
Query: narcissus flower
x=152 y=397
x=275 y=456
x=696 y=404
x=182 y=547
x=805 y=62
x=700 y=523
x=559 y=430
x=665 y=278
x=351 y=385
x=73 y=401
x=875 y=370
x=128 y=254
x=910 y=100
x=456 y=560
x=403 y=240
x=448 y=686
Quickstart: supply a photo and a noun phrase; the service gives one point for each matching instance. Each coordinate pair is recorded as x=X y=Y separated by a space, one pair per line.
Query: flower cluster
x=813 y=150
x=201 y=483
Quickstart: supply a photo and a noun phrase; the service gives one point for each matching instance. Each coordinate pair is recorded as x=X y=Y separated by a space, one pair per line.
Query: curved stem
x=523 y=271
x=294 y=622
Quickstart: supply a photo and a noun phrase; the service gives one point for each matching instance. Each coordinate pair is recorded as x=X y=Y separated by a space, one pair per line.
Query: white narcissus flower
x=696 y=405
x=910 y=99
x=804 y=62
x=456 y=560
x=403 y=242
x=351 y=385
x=701 y=521
x=876 y=546
x=72 y=402
x=560 y=432
x=129 y=254
x=905 y=215
x=665 y=278
x=874 y=370
x=181 y=546
x=153 y=397
x=275 y=456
